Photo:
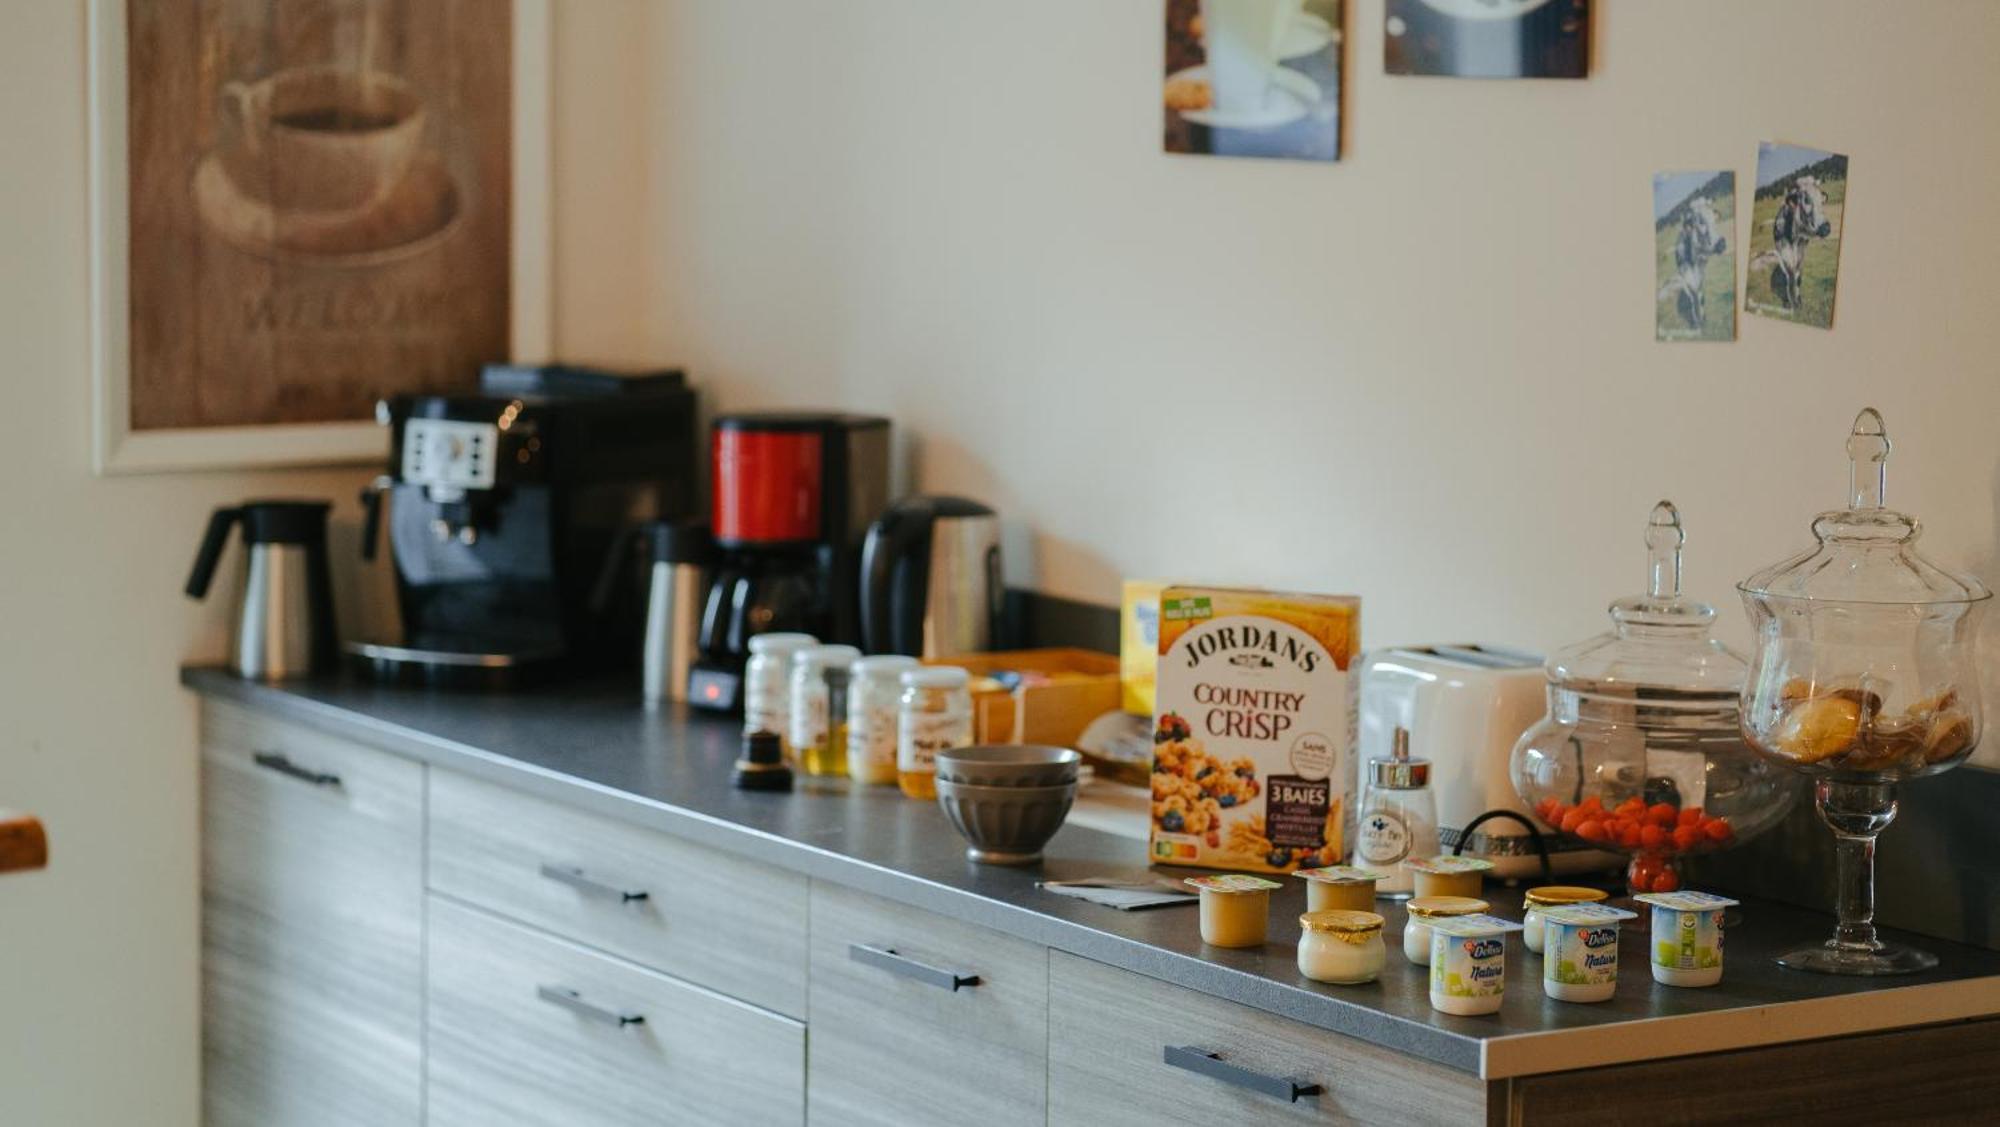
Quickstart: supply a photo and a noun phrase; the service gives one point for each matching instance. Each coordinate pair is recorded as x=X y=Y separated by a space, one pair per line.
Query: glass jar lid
x=1867 y=551
x=1340 y=920
x=1659 y=649
x=1550 y=895
x=1438 y=907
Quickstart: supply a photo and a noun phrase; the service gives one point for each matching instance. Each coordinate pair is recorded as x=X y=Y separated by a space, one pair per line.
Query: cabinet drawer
x=529 y=1029
x=917 y=1019
x=731 y=925
x=1110 y=1033
x=312 y=907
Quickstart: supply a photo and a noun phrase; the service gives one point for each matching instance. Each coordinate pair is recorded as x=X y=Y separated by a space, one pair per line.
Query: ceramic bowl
x=1005 y=825
x=1009 y=765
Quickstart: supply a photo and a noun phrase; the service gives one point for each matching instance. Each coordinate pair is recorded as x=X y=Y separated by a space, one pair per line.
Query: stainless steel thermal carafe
x=282 y=624
x=677 y=580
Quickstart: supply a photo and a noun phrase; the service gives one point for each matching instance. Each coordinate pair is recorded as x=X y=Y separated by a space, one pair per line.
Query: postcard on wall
x=1254 y=78
x=1795 y=224
x=1694 y=255
x=1487 y=38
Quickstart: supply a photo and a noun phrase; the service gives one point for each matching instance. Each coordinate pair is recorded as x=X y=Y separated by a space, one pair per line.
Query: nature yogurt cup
x=1548 y=896
x=1580 y=951
x=1469 y=963
x=1340 y=886
x=1448 y=874
x=1235 y=909
x=1687 y=937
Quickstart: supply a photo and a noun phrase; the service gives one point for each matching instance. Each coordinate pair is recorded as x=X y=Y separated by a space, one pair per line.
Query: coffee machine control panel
x=449 y=456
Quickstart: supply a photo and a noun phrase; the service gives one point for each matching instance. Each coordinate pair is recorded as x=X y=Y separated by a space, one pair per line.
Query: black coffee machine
x=502 y=507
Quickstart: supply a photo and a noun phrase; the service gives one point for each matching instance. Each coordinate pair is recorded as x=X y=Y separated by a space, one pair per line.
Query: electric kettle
x=283 y=625
x=930 y=578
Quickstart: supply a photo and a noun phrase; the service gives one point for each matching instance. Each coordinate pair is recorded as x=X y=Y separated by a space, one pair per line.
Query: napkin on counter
x=1125 y=895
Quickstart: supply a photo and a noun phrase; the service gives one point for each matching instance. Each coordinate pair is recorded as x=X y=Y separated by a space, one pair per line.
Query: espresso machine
x=792 y=496
x=502 y=506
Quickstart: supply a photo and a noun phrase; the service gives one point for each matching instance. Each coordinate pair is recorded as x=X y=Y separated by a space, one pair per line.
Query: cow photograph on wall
x=1795 y=226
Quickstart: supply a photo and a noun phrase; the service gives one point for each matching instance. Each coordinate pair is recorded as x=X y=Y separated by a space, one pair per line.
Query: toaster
x=1465 y=706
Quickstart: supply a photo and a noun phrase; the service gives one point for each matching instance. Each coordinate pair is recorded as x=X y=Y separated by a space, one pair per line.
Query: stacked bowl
x=1007 y=800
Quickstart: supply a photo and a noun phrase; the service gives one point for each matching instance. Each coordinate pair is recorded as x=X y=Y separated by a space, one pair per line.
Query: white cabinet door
x=922 y=1021
x=527 y=1030
x=312 y=915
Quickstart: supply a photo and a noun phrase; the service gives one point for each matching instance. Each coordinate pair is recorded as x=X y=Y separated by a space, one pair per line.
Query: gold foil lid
x=1548 y=896
x=1431 y=907
x=1341 y=920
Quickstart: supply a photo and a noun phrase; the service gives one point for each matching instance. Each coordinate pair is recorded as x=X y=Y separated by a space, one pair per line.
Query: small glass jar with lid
x=1398 y=818
x=1341 y=947
x=935 y=715
x=874 y=696
x=767 y=682
x=1551 y=896
x=1641 y=751
x=1422 y=910
x=819 y=708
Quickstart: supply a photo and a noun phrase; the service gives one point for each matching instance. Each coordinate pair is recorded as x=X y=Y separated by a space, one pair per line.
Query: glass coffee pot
x=1864 y=675
x=1642 y=752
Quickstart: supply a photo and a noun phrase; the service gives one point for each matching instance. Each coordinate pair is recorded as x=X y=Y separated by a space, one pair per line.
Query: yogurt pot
x=1580 y=951
x=1469 y=964
x=1235 y=909
x=1448 y=875
x=1687 y=937
x=1340 y=886
x=1425 y=909
x=1341 y=947
x=1548 y=896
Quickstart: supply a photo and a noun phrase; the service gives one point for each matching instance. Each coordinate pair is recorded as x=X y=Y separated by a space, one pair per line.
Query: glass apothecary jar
x=1641 y=751
x=1865 y=674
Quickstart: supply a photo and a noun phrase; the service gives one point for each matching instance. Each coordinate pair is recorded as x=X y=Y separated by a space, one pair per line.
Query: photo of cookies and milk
x=1253 y=78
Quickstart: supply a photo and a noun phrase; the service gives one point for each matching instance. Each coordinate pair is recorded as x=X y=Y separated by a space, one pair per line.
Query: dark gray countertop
x=593 y=747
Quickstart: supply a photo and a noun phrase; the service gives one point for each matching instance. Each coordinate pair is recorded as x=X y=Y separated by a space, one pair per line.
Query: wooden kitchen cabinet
x=921 y=1020
x=1125 y=1048
x=722 y=922
x=528 y=1030
x=312 y=908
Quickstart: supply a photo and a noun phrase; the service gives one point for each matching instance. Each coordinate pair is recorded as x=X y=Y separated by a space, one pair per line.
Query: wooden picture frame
x=117 y=447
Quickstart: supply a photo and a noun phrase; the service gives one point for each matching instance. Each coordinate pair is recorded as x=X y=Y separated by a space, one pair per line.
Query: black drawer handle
x=1213 y=1066
x=576 y=878
x=572 y=1001
x=281 y=763
x=886 y=958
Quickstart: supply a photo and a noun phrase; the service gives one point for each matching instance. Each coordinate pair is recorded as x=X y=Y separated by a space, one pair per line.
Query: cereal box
x=1139 y=644
x=1253 y=729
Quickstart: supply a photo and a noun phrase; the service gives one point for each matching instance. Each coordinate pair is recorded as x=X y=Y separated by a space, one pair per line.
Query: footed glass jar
x=1865 y=674
x=1641 y=751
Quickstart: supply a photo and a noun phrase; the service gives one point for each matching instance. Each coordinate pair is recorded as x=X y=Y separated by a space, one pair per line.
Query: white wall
x=1425 y=374
x=98 y=953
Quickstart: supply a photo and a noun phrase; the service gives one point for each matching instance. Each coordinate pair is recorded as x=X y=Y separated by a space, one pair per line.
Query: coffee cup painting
x=319 y=215
x=1253 y=78
x=1694 y=255
x=1795 y=227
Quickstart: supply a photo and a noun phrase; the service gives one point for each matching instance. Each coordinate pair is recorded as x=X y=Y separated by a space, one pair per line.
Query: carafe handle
x=210 y=553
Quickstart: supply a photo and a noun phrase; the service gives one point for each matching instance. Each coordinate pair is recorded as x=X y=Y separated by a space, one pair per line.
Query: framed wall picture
x=300 y=206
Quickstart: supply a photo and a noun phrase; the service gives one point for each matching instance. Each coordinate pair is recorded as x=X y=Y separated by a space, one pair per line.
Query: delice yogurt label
x=1469 y=955
x=1580 y=944
x=1687 y=929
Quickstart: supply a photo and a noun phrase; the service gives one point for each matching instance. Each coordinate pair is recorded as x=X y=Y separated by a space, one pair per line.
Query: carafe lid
x=1659 y=648
x=1867 y=551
